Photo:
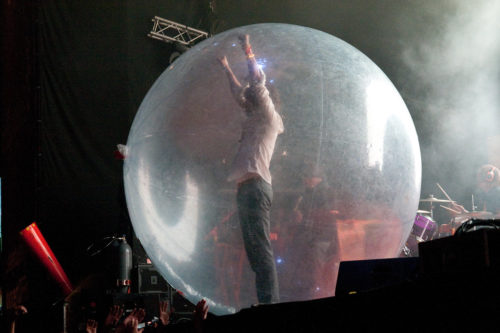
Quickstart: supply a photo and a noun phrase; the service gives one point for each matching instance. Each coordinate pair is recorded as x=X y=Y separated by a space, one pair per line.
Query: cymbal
x=423 y=212
x=433 y=199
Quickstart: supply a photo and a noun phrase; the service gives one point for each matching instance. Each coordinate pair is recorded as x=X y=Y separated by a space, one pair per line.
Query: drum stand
x=421 y=237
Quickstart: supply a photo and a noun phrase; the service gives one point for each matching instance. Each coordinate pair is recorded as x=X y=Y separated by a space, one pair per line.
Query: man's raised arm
x=233 y=81
x=253 y=67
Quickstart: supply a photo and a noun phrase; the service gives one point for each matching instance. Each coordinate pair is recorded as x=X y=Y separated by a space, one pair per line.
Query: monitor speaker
x=149 y=280
x=365 y=275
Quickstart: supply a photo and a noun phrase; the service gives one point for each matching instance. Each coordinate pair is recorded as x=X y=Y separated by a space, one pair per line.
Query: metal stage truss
x=170 y=31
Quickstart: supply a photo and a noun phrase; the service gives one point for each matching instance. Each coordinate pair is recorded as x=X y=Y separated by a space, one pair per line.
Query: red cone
x=36 y=242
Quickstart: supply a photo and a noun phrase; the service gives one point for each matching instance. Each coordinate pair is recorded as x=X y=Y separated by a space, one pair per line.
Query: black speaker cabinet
x=149 y=280
x=364 y=275
x=468 y=251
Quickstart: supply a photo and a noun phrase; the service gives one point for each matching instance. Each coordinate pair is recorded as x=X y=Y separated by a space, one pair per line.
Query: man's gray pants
x=254 y=199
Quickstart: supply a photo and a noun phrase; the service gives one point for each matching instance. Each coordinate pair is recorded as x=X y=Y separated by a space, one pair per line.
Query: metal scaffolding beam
x=170 y=31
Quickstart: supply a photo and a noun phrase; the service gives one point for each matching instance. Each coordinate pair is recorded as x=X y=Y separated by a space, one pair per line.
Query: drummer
x=488 y=191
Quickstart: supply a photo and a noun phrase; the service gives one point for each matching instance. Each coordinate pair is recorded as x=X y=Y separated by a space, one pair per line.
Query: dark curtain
x=73 y=75
x=96 y=65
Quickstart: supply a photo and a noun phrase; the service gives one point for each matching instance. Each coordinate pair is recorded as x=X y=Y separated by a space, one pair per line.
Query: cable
x=473 y=225
x=91 y=246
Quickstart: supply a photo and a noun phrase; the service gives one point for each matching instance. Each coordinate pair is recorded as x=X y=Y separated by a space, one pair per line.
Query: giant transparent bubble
x=345 y=124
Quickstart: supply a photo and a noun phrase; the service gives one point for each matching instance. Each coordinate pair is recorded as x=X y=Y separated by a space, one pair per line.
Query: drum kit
x=425 y=227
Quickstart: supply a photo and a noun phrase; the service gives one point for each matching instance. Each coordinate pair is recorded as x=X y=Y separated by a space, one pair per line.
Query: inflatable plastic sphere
x=346 y=171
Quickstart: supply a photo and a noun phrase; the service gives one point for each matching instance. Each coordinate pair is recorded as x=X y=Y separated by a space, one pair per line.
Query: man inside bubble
x=314 y=233
x=250 y=170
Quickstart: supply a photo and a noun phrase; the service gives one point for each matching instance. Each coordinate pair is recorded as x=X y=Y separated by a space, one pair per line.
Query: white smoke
x=457 y=66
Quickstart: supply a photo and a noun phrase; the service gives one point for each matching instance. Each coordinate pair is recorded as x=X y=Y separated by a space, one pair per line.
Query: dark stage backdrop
x=96 y=65
x=91 y=63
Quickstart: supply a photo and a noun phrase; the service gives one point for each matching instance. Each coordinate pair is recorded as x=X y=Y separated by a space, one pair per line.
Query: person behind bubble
x=488 y=191
x=250 y=170
x=488 y=194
